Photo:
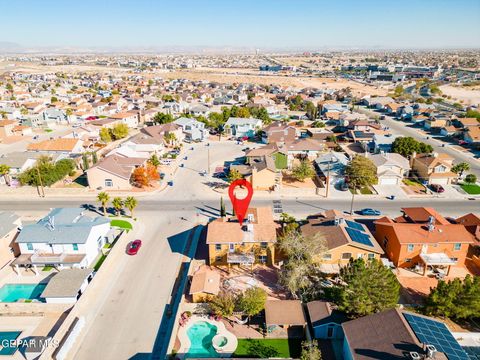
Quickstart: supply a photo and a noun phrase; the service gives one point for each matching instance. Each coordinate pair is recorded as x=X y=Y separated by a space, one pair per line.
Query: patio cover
x=330 y=268
x=284 y=312
x=437 y=259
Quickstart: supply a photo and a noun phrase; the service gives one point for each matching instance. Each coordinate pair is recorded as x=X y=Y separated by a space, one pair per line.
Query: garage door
x=387 y=181
x=440 y=181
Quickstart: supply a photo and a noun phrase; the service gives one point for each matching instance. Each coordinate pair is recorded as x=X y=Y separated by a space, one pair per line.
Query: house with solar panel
x=65 y=238
x=397 y=334
x=345 y=239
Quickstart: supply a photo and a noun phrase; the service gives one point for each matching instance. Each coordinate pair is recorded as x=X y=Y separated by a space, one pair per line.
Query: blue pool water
x=15 y=292
x=201 y=334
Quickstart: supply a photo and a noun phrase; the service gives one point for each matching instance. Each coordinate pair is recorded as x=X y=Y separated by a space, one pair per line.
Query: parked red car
x=134 y=247
x=437 y=188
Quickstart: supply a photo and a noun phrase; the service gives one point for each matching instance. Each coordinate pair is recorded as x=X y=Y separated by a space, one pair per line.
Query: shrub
x=471 y=179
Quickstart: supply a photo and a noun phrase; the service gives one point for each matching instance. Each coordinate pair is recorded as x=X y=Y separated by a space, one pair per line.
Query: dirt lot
x=468 y=96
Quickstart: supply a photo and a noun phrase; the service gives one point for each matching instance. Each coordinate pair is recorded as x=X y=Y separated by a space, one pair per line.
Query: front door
x=231 y=248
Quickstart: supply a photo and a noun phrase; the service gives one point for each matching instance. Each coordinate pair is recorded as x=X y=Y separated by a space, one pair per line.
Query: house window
x=408 y=260
x=371 y=256
x=108 y=182
x=385 y=242
x=29 y=246
x=330 y=331
x=346 y=256
x=231 y=247
x=264 y=245
x=75 y=247
x=218 y=247
x=218 y=258
x=410 y=247
x=262 y=259
x=327 y=256
x=454 y=259
x=457 y=246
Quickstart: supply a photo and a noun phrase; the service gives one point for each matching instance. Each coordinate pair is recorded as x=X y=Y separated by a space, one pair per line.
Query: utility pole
x=328 y=174
x=42 y=192
x=208 y=160
x=353 y=198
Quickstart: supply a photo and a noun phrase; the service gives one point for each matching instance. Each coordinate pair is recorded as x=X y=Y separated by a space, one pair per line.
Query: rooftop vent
x=414 y=355
x=431 y=351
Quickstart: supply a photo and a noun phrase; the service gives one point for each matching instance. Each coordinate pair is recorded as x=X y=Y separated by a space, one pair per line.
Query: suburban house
x=130 y=119
x=261 y=173
x=193 y=130
x=66 y=286
x=472 y=224
x=382 y=143
x=332 y=165
x=433 y=168
x=423 y=238
x=159 y=133
x=23 y=160
x=472 y=135
x=113 y=172
x=61 y=145
x=345 y=239
x=66 y=237
x=398 y=334
x=391 y=168
x=10 y=224
x=278 y=132
x=6 y=128
x=325 y=320
x=242 y=127
x=306 y=148
x=254 y=241
x=270 y=150
x=204 y=284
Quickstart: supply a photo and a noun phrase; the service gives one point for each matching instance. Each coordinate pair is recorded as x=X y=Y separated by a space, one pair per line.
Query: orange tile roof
x=205 y=280
x=54 y=145
x=224 y=231
x=7 y=122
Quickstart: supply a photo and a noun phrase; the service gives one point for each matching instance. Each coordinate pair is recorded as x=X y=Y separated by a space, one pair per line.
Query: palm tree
x=104 y=199
x=117 y=203
x=131 y=203
x=170 y=137
x=4 y=171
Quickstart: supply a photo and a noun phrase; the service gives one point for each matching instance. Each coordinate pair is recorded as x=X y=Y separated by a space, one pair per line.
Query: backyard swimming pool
x=15 y=292
x=201 y=334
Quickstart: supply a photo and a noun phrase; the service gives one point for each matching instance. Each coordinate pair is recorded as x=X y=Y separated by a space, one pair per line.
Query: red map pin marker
x=240 y=205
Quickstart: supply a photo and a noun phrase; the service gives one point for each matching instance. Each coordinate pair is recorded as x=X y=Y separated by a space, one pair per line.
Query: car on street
x=370 y=212
x=134 y=246
x=437 y=188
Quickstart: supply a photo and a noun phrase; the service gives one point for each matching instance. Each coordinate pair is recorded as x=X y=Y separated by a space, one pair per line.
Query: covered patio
x=435 y=260
x=59 y=261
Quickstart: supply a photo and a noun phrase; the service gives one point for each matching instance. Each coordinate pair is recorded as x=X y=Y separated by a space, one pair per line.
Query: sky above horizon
x=299 y=24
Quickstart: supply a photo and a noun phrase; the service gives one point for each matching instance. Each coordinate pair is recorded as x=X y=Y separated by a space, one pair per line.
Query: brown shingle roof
x=205 y=280
x=119 y=166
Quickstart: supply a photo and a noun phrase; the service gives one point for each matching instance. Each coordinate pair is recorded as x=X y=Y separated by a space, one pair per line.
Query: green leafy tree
x=85 y=161
x=243 y=112
x=5 y=171
x=303 y=171
x=170 y=138
x=103 y=198
x=118 y=204
x=406 y=146
x=94 y=157
x=54 y=99
x=154 y=160
x=361 y=172
x=131 y=203
x=161 y=118
x=311 y=109
x=105 y=135
x=46 y=172
x=233 y=175
x=455 y=299
x=252 y=301
x=471 y=179
x=473 y=114
x=310 y=351
x=289 y=224
x=119 y=131
x=370 y=287
x=460 y=168
x=223 y=304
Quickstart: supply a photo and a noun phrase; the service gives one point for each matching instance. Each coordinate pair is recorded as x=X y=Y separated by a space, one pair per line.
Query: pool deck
x=185 y=343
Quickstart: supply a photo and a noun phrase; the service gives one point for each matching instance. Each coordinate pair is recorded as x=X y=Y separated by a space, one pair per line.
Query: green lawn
x=99 y=262
x=122 y=224
x=472 y=189
x=265 y=348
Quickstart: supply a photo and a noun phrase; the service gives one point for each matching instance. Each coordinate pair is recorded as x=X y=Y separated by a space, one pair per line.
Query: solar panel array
x=436 y=333
x=354 y=225
x=359 y=236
